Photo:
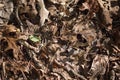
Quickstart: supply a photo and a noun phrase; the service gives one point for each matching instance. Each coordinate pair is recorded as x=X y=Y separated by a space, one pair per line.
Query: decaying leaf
x=9 y=39
x=99 y=65
x=6 y=9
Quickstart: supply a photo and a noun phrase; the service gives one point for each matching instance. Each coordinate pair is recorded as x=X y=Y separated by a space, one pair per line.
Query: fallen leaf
x=34 y=38
x=43 y=12
x=1 y=5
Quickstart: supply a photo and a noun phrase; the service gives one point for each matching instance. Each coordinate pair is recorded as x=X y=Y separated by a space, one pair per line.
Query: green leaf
x=34 y=38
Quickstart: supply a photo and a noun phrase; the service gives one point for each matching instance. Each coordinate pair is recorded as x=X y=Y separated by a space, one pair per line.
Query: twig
x=36 y=50
x=4 y=71
x=25 y=78
x=17 y=16
x=74 y=72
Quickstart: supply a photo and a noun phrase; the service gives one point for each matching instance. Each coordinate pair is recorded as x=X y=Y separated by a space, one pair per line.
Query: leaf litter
x=59 y=40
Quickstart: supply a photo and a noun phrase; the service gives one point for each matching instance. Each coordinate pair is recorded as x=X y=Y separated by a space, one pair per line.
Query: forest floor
x=59 y=39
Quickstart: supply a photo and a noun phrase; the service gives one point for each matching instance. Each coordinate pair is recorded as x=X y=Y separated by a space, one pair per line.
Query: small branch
x=20 y=22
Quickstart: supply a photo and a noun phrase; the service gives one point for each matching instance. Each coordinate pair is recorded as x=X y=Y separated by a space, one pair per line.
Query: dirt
x=59 y=40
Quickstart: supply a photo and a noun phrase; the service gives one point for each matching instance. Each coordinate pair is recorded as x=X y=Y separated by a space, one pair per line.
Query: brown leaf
x=99 y=65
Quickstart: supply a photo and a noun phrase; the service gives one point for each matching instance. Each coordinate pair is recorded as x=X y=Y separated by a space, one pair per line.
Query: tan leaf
x=44 y=15
x=43 y=12
x=1 y=5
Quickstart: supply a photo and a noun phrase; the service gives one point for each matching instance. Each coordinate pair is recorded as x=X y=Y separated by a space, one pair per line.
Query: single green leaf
x=34 y=38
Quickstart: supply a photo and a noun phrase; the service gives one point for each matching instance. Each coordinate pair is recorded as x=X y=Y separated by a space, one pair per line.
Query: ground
x=59 y=40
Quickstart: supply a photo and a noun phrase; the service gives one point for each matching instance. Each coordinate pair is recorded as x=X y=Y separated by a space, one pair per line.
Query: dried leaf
x=1 y=5
x=99 y=65
x=43 y=12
